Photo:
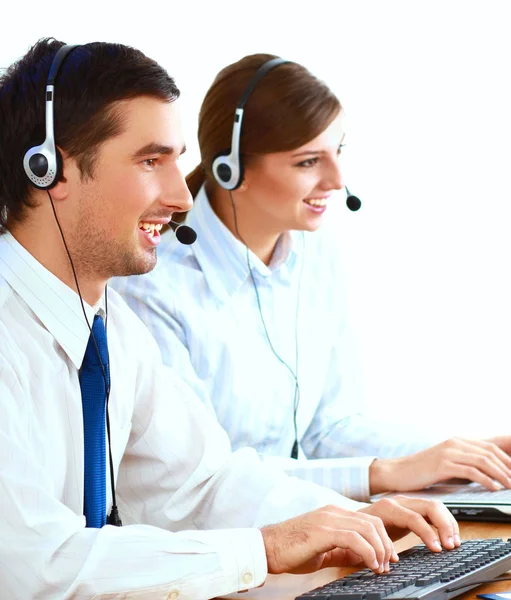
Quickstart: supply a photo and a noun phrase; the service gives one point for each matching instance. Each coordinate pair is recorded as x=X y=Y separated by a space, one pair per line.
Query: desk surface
x=287 y=587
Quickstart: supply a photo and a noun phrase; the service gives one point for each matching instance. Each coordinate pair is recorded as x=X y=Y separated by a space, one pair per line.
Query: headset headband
x=258 y=75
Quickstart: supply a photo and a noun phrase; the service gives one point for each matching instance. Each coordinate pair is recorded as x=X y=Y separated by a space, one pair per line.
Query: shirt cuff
x=348 y=476
x=242 y=557
x=354 y=477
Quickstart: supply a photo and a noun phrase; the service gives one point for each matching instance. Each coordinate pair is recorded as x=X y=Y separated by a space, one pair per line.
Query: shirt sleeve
x=47 y=552
x=201 y=483
x=341 y=441
x=348 y=476
x=146 y=298
x=342 y=429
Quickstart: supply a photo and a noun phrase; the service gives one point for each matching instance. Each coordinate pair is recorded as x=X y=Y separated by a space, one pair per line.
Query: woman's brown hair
x=288 y=108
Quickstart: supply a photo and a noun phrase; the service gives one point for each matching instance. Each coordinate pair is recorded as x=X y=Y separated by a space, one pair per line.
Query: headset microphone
x=352 y=202
x=184 y=233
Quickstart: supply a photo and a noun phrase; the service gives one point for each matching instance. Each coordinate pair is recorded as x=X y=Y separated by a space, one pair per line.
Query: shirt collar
x=54 y=303
x=223 y=258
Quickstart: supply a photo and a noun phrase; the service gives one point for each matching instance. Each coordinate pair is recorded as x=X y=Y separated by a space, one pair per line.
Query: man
x=196 y=516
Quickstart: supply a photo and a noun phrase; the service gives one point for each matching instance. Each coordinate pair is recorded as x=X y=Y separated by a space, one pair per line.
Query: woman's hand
x=482 y=461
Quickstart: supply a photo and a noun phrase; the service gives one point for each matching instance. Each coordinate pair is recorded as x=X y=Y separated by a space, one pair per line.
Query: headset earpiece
x=43 y=163
x=227 y=170
x=43 y=166
x=227 y=165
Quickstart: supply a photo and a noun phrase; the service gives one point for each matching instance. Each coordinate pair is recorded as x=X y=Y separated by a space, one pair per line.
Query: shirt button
x=247 y=578
x=173 y=595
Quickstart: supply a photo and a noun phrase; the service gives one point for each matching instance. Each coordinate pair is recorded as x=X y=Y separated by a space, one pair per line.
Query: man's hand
x=332 y=536
x=429 y=519
x=482 y=461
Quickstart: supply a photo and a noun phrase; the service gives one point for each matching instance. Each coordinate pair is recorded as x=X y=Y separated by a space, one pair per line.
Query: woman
x=251 y=313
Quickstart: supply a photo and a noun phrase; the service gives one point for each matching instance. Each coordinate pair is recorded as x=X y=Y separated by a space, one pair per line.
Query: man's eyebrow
x=157 y=149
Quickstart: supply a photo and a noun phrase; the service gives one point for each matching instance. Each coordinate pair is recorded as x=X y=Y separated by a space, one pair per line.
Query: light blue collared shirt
x=200 y=305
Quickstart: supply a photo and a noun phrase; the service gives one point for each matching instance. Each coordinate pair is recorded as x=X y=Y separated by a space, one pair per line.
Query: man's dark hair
x=93 y=77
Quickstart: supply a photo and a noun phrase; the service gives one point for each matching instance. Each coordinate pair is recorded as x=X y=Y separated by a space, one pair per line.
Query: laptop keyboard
x=422 y=574
x=469 y=494
x=452 y=493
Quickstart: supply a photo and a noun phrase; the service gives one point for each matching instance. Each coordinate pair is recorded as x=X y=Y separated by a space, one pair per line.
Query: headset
x=43 y=167
x=228 y=168
x=43 y=163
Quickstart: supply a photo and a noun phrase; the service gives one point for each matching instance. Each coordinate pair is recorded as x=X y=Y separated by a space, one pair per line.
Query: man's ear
x=60 y=190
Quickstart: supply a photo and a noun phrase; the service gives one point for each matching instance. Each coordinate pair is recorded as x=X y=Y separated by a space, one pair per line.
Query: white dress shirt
x=191 y=508
x=200 y=305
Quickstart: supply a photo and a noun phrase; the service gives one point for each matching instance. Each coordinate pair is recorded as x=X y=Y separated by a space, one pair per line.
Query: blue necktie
x=92 y=384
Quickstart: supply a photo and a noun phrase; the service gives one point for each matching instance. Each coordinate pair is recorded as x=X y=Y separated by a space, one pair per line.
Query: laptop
x=466 y=501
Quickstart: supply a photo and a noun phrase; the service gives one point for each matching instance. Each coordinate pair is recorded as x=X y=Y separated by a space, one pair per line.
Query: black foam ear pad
x=38 y=164
x=224 y=172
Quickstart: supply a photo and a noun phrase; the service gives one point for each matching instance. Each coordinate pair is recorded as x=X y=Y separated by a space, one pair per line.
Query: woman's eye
x=310 y=162
x=150 y=162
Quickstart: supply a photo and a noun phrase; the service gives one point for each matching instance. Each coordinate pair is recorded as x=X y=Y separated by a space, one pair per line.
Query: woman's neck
x=250 y=228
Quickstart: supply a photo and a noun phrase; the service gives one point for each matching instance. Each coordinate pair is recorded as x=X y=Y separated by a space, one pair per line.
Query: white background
x=426 y=90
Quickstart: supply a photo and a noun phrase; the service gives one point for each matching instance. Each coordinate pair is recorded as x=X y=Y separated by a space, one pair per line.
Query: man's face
x=136 y=186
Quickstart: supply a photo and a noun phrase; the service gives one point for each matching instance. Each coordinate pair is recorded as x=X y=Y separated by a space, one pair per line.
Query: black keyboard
x=423 y=574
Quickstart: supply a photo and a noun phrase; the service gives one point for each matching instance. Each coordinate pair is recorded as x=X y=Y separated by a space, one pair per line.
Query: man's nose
x=177 y=193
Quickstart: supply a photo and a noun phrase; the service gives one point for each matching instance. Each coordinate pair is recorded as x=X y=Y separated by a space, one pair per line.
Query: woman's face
x=291 y=190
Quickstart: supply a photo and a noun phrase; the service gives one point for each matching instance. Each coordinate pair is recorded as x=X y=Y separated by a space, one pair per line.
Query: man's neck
x=49 y=250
